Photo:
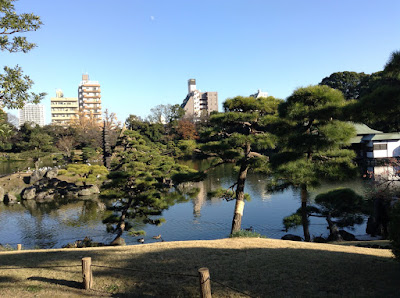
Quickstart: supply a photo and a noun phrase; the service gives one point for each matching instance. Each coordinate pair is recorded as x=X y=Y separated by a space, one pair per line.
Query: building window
x=380 y=146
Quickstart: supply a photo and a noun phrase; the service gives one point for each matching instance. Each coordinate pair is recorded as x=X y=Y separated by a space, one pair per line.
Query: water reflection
x=53 y=224
x=59 y=222
x=9 y=167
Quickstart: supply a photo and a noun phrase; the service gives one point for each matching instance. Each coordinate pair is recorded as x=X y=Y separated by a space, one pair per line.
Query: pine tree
x=239 y=135
x=340 y=207
x=142 y=177
x=312 y=143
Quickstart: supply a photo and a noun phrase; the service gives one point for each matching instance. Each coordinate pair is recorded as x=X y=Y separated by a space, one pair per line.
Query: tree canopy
x=142 y=177
x=14 y=85
x=349 y=82
x=312 y=142
x=239 y=135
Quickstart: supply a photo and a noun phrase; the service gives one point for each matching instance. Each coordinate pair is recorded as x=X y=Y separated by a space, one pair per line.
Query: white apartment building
x=32 y=113
x=259 y=94
x=89 y=97
x=198 y=103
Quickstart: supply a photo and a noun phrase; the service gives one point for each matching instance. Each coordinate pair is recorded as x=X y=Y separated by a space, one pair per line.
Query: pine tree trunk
x=304 y=213
x=333 y=229
x=121 y=223
x=237 y=216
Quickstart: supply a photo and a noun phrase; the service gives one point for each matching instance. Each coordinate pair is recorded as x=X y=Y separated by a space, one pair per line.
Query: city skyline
x=143 y=52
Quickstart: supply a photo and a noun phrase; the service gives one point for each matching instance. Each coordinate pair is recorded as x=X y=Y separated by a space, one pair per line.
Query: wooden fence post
x=19 y=246
x=205 y=283
x=87 y=273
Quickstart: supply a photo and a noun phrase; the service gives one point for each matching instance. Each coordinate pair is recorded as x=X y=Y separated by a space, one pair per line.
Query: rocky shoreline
x=44 y=186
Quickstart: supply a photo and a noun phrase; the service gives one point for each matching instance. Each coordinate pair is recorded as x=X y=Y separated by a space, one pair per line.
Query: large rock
x=84 y=192
x=94 y=189
x=119 y=241
x=29 y=193
x=52 y=173
x=1 y=194
x=10 y=198
x=44 y=196
x=36 y=176
x=291 y=237
x=319 y=239
x=347 y=236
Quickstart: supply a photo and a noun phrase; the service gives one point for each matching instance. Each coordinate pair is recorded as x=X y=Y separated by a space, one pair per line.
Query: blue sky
x=143 y=51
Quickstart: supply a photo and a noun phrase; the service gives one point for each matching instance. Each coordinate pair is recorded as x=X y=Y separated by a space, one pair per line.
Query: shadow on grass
x=61 y=282
x=255 y=271
x=5 y=279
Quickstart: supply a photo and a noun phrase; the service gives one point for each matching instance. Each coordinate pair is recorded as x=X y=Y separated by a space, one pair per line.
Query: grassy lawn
x=258 y=267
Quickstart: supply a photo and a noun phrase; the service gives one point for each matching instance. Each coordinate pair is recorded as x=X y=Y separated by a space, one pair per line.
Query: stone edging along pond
x=44 y=186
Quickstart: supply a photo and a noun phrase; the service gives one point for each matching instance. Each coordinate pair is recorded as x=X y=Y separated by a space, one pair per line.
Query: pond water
x=15 y=166
x=52 y=225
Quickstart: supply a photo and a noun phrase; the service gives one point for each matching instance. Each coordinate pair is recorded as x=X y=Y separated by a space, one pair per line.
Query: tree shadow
x=5 y=279
x=61 y=282
x=165 y=270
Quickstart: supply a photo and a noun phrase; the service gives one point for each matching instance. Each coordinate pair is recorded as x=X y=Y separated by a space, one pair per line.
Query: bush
x=93 y=174
x=246 y=234
x=394 y=229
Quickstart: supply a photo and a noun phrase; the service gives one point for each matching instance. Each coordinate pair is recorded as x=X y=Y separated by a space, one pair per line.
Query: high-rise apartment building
x=32 y=113
x=63 y=109
x=199 y=103
x=89 y=96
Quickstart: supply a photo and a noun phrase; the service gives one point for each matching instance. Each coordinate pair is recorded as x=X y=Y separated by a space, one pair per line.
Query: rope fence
x=87 y=275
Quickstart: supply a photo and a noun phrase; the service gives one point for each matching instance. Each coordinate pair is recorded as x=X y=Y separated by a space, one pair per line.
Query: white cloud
x=152 y=18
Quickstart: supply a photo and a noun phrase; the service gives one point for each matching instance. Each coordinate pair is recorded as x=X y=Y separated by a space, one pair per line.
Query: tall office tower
x=259 y=94
x=63 y=109
x=199 y=103
x=32 y=113
x=89 y=98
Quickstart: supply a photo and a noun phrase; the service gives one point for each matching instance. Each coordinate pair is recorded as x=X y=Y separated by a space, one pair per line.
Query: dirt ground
x=238 y=267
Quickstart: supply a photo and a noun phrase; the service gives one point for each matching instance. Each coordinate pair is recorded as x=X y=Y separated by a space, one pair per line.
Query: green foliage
x=342 y=207
x=227 y=194
x=33 y=137
x=14 y=86
x=394 y=230
x=88 y=153
x=241 y=135
x=34 y=288
x=377 y=95
x=380 y=108
x=246 y=234
x=349 y=83
x=93 y=174
x=152 y=131
x=392 y=67
x=142 y=178
x=340 y=202
x=187 y=147
x=7 y=131
x=313 y=141
x=112 y=288
x=292 y=221
x=136 y=233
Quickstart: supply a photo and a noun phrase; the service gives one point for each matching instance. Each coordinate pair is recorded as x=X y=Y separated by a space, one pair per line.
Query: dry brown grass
x=258 y=267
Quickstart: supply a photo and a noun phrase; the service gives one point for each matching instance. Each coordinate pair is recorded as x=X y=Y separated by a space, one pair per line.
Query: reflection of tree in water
x=47 y=217
x=91 y=211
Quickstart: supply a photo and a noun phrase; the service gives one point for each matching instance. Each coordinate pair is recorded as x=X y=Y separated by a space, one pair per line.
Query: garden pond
x=54 y=224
